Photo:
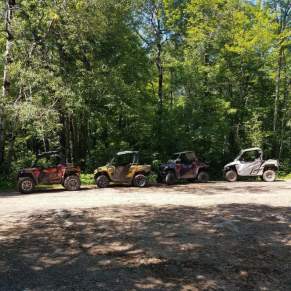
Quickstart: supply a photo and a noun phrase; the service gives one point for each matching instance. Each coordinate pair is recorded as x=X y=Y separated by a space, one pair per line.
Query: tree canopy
x=93 y=77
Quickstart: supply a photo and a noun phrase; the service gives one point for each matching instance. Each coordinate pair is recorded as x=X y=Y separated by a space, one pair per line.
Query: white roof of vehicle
x=126 y=152
x=251 y=149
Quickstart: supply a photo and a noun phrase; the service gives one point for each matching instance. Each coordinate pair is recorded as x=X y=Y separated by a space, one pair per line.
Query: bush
x=6 y=184
x=87 y=179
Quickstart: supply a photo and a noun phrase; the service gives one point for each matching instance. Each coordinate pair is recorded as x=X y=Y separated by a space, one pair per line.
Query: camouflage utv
x=49 y=168
x=124 y=168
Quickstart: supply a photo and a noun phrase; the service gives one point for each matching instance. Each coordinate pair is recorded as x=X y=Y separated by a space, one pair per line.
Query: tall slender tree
x=10 y=6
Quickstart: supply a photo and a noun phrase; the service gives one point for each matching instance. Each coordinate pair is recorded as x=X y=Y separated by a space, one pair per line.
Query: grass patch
x=6 y=185
x=87 y=179
x=48 y=187
x=285 y=176
x=152 y=178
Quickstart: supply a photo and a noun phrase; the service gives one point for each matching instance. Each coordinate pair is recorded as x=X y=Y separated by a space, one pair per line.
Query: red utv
x=49 y=168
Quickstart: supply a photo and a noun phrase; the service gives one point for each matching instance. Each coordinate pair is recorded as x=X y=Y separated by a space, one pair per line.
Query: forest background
x=92 y=77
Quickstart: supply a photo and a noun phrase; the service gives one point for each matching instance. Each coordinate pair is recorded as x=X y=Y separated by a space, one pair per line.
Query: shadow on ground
x=230 y=247
x=39 y=191
x=211 y=188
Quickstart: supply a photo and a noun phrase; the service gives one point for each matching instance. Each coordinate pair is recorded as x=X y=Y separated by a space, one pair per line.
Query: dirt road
x=198 y=195
x=216 y=236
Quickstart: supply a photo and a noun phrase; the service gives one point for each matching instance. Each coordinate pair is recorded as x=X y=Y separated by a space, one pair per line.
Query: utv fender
x=203 y=169
x=26 y=175
x=232 y=167
x=172 y=171
x=142 y=173
x=101 y=173
x=71 y=173
x=169 y=168
x=270 y=167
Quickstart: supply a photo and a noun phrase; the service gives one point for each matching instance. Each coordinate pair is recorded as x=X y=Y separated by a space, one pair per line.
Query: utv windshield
x=186 y=157
x=250 y=156
x=125 y=159
x=47 y=161
x=174 y=157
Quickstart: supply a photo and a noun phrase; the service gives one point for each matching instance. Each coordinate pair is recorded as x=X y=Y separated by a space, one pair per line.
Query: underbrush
x=6 y=184
x=285 y=176
x=87 y=179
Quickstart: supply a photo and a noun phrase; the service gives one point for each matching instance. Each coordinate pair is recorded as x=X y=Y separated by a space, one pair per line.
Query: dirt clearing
x=216 y=236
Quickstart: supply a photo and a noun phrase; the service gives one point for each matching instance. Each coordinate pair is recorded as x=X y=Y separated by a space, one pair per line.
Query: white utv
x=250 y=163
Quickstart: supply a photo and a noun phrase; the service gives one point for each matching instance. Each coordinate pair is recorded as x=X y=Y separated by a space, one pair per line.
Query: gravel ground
x=215 y=236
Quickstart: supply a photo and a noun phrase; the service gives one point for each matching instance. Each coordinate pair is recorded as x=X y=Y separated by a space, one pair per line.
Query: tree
x=10 y=6
x=93 y=77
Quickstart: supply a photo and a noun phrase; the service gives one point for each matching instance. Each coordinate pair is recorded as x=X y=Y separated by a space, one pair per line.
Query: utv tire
x=140 y=180
x=231 y=176
x=170 y=178
x=203 y=177
x=102 y=181
x=72 y=183
x=269 y=176
x=25 y=185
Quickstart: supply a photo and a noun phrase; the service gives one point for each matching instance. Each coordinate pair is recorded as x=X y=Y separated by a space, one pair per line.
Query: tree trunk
x=286 y=91
x=10 y=6
x=283 y=24
x=2 y=133
x=160 y=69
x=277 y=89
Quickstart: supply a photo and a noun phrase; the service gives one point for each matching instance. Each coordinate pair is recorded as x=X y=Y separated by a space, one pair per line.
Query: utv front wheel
x=269 y=176
x=72 y=183
x=231 y=176
x=140 y=180
x=102 y=181
x=170 y=178
x=25 y=185
x=203 y=177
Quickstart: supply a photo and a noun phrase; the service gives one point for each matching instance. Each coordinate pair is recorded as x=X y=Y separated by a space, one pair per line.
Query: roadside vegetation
x=6 y=185
x=286 y=177
x=87 y=179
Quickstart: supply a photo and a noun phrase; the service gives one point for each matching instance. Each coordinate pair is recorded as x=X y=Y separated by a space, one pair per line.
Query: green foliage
x=286 y=177
x=6 y=185
x=84 y=79
x=87 y=179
